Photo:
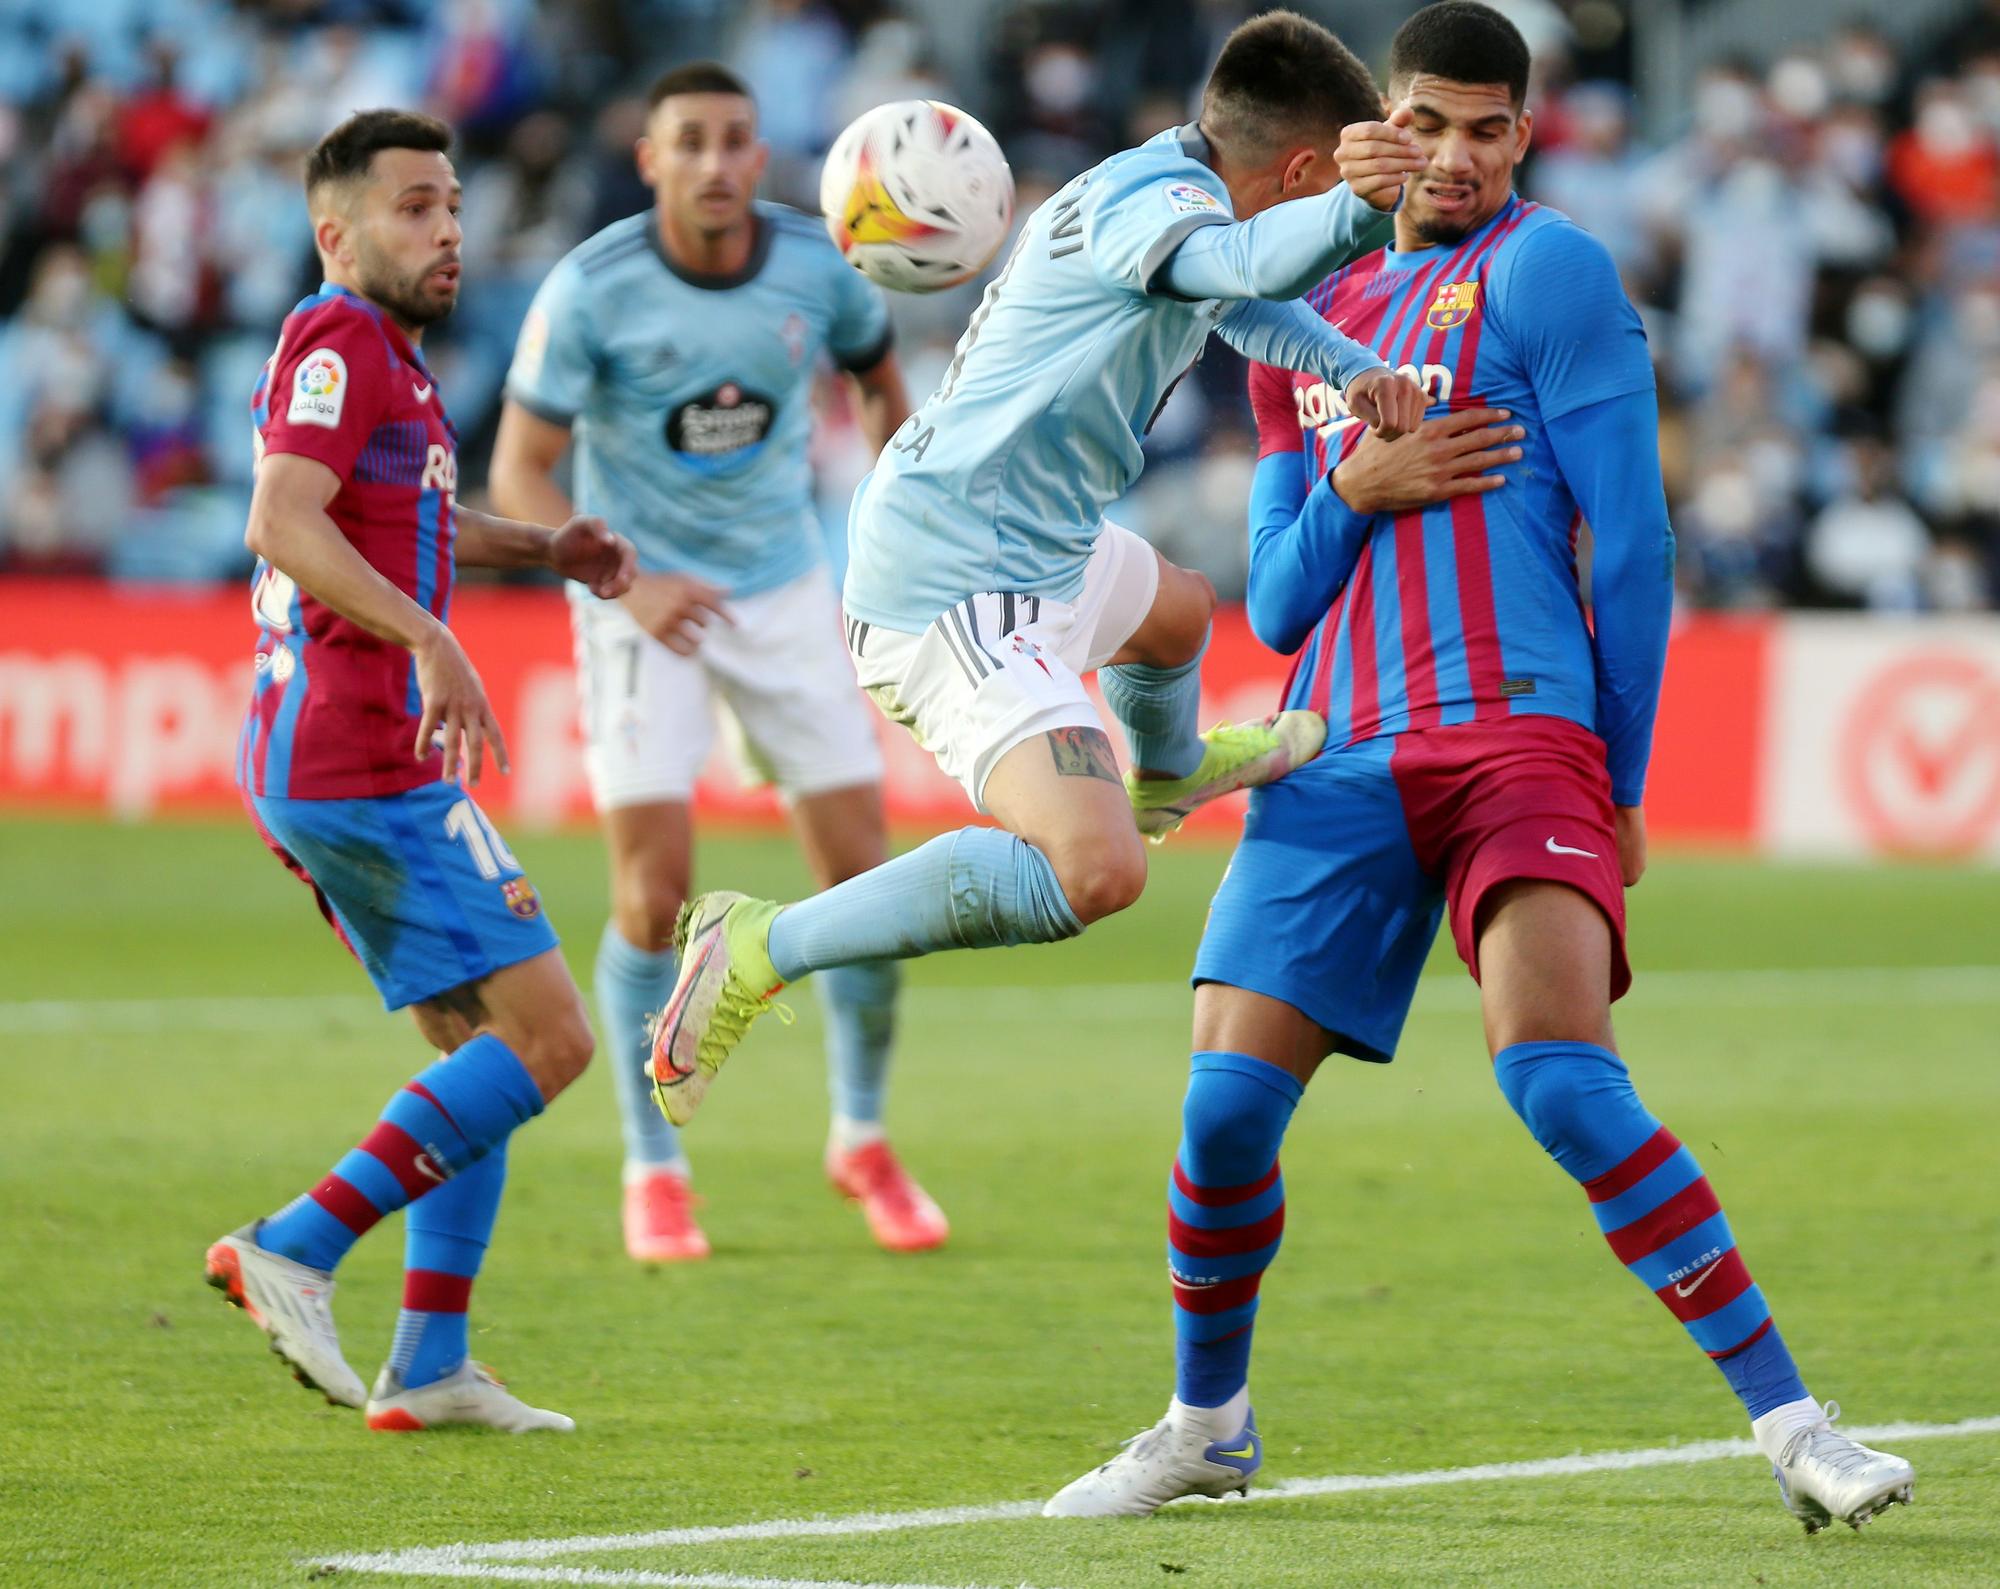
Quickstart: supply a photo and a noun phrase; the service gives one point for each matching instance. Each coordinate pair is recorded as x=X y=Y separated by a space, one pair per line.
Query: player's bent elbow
x=1273 y=626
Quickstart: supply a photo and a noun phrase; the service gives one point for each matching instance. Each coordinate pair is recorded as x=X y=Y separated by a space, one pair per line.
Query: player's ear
x=763 y=160
x=1524 y=132
x=642 y=157
x=330 y=233
x=1296 y=169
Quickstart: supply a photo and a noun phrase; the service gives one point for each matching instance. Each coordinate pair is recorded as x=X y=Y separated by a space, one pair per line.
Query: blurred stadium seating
x=1814 y=232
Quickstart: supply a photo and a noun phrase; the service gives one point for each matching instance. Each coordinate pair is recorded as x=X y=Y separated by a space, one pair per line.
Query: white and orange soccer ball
x=917 y=196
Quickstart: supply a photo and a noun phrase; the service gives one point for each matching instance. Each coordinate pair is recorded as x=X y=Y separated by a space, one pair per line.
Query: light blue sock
x=1160 y=709
x=860 y=1005
x=445 y=1235
x=631 y=985
x=978 y=888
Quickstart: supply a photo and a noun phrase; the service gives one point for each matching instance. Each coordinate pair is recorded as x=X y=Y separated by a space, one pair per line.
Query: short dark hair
x=1464 y=42
x=696 y=77
x=1280 y=78
x=346 y=153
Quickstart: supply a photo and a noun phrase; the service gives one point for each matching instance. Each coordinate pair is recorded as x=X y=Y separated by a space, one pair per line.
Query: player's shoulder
x=334 y=336
x=335 y=313
x=798 y=242
x=606 y=252
x=1175 y=161
x=792 y=228
x=1545 y=251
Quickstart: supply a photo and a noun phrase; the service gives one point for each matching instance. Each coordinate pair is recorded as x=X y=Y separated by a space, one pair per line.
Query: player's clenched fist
x=675 y=608
x=588 y=551
x=1389 y=404
x=456 y=711
x=1376 y=157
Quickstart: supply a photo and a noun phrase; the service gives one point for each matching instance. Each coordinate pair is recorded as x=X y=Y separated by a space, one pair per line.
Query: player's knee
x=1185 y=605
x=560 y=1049
x=1100 y=879
x=644 y=912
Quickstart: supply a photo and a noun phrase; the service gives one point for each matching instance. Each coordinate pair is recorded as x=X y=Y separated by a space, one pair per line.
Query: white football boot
x=1824 y=1476
x=1180 y=1455
x=293 y=1305
x=469 y=1394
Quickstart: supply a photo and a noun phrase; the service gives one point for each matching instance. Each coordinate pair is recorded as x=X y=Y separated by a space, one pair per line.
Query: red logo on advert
x=1920 y=755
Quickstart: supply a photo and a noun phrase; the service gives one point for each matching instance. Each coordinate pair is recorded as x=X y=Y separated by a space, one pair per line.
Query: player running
x=706 y=319
x=984 y=580
x=1489 y=761
x=364 y=714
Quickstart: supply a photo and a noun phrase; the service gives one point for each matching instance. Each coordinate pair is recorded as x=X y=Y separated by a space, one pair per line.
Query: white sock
x=850 y=1134
x=635 y=1172
x=1218 y=1423
x=1775 y=1427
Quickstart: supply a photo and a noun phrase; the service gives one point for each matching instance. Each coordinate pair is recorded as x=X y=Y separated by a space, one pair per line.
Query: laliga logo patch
x=1184 y=198
x=319 y=389
x=1456 y=300
x=521 y=898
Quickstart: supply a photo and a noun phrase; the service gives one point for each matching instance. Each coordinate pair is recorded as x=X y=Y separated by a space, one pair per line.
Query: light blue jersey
x=688 y=394
x=1000 y=481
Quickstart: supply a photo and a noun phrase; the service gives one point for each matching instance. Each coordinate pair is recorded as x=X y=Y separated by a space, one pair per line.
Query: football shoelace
x=1841 y=1454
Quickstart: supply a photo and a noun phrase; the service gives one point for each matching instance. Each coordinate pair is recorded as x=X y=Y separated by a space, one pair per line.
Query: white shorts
x=777 y=676
x=1000 y=668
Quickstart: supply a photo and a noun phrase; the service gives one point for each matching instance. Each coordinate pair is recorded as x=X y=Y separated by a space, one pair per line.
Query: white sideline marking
x=510 y=1560
x=1440 y=993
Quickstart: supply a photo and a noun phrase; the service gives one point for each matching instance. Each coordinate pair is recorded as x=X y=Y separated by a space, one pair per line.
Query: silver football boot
x=1825 y=1476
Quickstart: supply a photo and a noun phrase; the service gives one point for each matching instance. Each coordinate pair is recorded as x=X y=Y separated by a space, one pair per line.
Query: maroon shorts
x=1495 y=802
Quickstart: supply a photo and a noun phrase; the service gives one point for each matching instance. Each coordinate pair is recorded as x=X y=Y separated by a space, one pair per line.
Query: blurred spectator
x=1868 y=547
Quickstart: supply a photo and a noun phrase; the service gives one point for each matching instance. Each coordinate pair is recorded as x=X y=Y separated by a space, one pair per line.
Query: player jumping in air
x=1488 y=761
x=985 y=581
x=679 y=347
x=365 y=712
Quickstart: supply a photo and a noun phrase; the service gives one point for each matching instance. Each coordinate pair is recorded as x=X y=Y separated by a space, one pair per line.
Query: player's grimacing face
x=403 y=236
x=1474 y=136
x=703 y=158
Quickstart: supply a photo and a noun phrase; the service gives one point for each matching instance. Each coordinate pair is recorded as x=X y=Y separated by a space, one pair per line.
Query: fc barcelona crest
x=1455 y=303
x=521 y=898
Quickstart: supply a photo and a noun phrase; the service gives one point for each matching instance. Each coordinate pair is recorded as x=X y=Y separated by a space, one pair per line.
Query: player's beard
x=1438 y=232
x=403 y=293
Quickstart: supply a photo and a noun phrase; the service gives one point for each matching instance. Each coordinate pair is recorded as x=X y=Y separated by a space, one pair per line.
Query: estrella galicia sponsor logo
x=721 y=429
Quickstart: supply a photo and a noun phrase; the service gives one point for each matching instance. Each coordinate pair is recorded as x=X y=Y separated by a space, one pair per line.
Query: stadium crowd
x=1816 y=250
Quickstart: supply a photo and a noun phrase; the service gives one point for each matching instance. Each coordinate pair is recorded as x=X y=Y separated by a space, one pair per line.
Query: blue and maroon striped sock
x=1655 y=1207
x=445 y=1236
x=1225 y=1217
x=463 y=1106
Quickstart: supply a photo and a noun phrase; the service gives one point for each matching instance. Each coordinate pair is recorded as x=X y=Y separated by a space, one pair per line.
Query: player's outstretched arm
x=521 y=482
x=291 y=530
x=1291 y=336
x=582 y=547
x=1278 y=254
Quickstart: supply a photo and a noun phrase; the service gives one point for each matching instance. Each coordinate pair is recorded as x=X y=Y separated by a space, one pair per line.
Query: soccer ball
x=917 y=195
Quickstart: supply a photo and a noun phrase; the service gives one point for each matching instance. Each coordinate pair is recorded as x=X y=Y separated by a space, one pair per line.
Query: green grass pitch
x=185 y=1047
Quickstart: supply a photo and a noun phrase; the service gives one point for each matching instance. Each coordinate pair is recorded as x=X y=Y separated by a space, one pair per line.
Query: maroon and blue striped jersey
x=334 y=709
x=1472 y=609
